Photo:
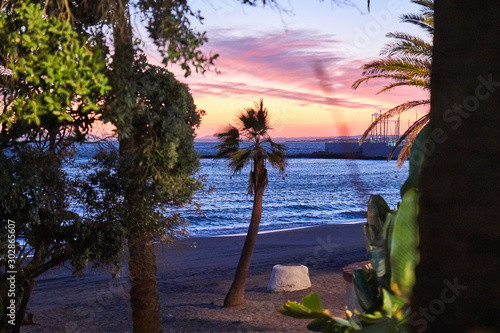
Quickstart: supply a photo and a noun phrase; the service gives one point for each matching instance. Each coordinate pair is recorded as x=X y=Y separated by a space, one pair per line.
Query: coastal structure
x=378 y=145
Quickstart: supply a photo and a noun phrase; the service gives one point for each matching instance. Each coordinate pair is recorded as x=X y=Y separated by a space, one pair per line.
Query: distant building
x=379 y=144
x=366 y=150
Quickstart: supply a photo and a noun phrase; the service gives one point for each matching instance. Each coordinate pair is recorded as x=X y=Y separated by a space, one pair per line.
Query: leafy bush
x=384 y=291
x=35 y=193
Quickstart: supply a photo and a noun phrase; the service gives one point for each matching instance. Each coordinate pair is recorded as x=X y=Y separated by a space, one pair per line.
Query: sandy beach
x=194 y=276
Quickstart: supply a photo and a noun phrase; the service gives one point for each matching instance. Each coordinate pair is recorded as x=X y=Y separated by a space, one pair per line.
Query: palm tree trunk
x=457 y=287
x=144 y=286
x=236 y=294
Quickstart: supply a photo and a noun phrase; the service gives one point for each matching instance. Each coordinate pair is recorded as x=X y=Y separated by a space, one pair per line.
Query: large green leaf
x=371 y=318
x=311 y=309
x=377 y=257
x=388 y=230
x=377 y=211
x=367 y=289
x=313 y=302
x=404 y=254
x=417 y=157
x=377 y=232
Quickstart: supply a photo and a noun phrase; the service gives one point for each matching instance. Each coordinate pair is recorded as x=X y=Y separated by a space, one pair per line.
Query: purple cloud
x=298 y=65
x=285 y=57
x=230 y=89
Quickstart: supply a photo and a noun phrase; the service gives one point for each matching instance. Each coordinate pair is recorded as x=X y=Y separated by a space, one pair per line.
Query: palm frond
x=421 y=21
x=255 y=122
x=424 y=84
x=410 y=134
x=277 y=160
x=274 y=145
x=395 y=111
x=403 y=81
x=247 y=119
x=262 y=115
x=407 y=45
x=429 y=4
x=239 y=159
x=407 y=62
x=276 y=154
x=414 y=71
x=253 y=128
x=412 y=66
x=229 y=142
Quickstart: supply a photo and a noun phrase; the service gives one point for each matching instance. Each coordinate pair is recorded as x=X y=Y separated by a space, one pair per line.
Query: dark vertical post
x=457 y=288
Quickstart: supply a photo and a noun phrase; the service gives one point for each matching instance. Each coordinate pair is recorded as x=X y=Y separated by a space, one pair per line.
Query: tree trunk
x=144 y=286
x=236 y=294
x=142 y=262
x=457 y=287
x=23 y=306
x=28 y=283
x=144 y=298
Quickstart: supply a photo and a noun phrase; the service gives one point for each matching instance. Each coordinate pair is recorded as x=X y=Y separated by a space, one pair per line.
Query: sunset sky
x=277 y=56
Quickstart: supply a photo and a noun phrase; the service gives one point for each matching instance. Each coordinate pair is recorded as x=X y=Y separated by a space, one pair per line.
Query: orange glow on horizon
x=290 y=119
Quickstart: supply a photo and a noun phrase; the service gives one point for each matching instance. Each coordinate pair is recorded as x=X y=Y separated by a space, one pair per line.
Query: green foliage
x=36 y=193
x=380 y=220
x=311 y=308
x=384 y=291
x=156 y=163
x=417 y=156
x=404 y=242
x=168 y=24
x=367 y=289
x=393 y=254
x=51 y=74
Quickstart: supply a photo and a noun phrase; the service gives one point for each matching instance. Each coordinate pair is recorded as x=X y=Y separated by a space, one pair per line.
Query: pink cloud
x=304 y=67
x=229 y=89
x=290 y=64
x=282 y=57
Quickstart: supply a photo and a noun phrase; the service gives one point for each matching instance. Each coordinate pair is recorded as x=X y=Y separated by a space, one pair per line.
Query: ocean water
x=313 y=191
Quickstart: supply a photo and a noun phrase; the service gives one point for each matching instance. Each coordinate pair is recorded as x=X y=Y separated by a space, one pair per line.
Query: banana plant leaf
x=404 y=254
x=377 y=230
x=367 y=289
x=417 y=157
x=377 y=211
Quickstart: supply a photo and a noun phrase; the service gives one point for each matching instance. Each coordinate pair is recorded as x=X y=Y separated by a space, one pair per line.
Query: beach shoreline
x=193 y=277
x=278 y=230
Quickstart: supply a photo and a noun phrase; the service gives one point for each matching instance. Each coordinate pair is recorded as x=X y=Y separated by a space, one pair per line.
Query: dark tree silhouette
x=457 y=287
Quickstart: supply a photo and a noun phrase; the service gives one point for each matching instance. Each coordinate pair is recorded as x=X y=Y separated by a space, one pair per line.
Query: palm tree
x=245 y=143
x=407 y=62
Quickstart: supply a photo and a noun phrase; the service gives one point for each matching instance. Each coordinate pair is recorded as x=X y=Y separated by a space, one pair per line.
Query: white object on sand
x=289 y=278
